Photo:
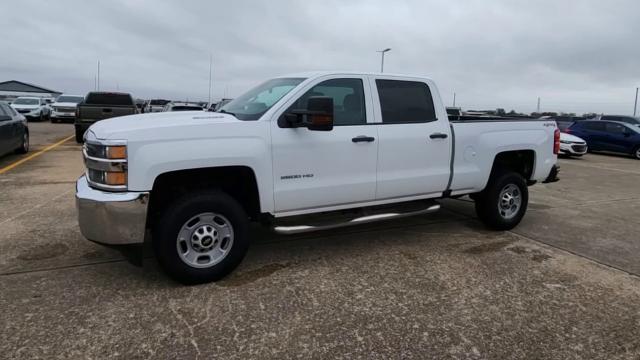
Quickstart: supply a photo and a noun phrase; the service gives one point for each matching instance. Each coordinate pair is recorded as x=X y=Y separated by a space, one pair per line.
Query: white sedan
x=571 y=145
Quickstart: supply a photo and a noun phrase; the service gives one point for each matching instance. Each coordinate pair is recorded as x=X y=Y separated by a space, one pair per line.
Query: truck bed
x=476 y=141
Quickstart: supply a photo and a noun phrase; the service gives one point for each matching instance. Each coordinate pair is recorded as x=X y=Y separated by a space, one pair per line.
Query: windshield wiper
x=226 y=112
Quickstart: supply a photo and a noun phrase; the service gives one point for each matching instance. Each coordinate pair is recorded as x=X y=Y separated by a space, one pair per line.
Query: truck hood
x=154 y=125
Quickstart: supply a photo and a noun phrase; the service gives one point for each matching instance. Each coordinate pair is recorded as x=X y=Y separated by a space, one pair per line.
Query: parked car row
x=611 y=133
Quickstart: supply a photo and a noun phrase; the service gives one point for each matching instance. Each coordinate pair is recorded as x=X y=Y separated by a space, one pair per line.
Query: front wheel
x=201 y=237
x=503 y=203
x=636 y=153
x=79 y=135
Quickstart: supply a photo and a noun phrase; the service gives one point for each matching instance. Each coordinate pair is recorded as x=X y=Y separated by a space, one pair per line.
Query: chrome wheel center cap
x=204 y=238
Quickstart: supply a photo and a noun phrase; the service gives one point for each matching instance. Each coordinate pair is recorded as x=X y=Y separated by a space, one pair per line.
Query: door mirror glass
x=318 y=115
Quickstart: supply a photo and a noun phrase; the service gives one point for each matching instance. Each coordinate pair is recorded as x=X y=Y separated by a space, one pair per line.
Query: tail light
x=556 y=141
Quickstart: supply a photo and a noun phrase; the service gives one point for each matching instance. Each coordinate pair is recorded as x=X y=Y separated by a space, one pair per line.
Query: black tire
x=636 y=153
x=24 y=147
x=54 y=120
x=41 y=117
x=79 y=135
x=487 y=202
x=178 y=213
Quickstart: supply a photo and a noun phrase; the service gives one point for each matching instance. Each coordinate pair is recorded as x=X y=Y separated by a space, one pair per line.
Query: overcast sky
x=577 y=55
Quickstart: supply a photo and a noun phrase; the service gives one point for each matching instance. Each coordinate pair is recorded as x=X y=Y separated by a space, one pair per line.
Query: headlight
x=106 y=163
x=565 y=142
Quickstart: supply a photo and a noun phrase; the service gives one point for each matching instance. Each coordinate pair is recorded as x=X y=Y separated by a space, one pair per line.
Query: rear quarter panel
x=478 y=143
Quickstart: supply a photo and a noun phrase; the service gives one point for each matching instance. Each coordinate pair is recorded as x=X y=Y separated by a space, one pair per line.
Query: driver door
x=326 y=169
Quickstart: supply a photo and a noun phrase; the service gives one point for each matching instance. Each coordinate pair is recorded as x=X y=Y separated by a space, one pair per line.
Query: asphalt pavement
x=564 y=284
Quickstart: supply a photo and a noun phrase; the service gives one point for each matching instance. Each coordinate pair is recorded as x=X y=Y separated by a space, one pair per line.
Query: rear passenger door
x=415 y=147
x=593 y=132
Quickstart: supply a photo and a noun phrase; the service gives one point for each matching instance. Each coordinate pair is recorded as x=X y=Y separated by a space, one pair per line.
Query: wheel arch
x=239 y=182
x=521 y=161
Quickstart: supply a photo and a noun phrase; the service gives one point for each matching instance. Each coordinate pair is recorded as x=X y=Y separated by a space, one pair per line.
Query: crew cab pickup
x=99 y=106
x=380 y=146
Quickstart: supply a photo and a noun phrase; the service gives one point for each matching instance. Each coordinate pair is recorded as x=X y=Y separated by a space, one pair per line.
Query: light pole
x=210 y=67
x=635 y=105
x=382 y=62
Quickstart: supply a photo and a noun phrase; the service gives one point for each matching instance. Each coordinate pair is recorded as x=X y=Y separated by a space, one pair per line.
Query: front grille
x=579 y=148
x=65 y=109
x=23 y=111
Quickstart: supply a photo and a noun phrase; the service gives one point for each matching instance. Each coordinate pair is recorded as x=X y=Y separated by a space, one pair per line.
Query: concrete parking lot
x=564 y=284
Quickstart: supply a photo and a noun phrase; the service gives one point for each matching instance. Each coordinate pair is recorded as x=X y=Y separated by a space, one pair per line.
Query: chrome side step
x=299 y=229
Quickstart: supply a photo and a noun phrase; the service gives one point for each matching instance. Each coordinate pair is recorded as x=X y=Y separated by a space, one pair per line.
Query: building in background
x=12 y=89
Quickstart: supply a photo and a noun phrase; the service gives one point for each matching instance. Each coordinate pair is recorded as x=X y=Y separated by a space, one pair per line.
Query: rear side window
x=405 y=102
x=564 y=125
x=3 y=111
x=594 y=125
x=108 y=99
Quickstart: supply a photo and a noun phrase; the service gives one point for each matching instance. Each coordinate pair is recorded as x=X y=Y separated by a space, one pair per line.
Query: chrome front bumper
x=111 y=218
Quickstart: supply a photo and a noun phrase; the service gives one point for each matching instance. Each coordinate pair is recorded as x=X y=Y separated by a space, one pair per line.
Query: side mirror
x=318 y=116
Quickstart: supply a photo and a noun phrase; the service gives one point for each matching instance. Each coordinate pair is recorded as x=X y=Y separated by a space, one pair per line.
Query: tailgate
x=97 y=112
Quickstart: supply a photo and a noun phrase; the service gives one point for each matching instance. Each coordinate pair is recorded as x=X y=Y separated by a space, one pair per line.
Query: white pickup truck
x=379 y=145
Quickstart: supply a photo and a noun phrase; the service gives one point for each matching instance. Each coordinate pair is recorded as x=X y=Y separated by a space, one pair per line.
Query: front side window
x=615 y=128
x=405 y=102
x=348 y=100
x=257 y=101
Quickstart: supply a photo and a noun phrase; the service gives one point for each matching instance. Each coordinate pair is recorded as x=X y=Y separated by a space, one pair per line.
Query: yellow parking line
x=50 y=147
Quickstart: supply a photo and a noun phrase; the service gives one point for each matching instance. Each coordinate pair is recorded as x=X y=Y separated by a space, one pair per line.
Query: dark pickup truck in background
x=99 y=106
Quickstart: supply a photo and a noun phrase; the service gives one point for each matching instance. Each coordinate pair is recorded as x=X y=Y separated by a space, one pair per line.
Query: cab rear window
x=108 y=99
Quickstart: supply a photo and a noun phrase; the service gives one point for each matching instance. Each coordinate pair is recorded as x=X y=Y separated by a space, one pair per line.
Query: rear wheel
x=201 y=237
x=503 y=202
x=24 y=147
x=636 y=153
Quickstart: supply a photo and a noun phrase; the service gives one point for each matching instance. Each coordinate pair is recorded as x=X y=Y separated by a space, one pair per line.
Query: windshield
x=26 y=102
x=70 y=99
x=255 y=102
x=158 y=102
